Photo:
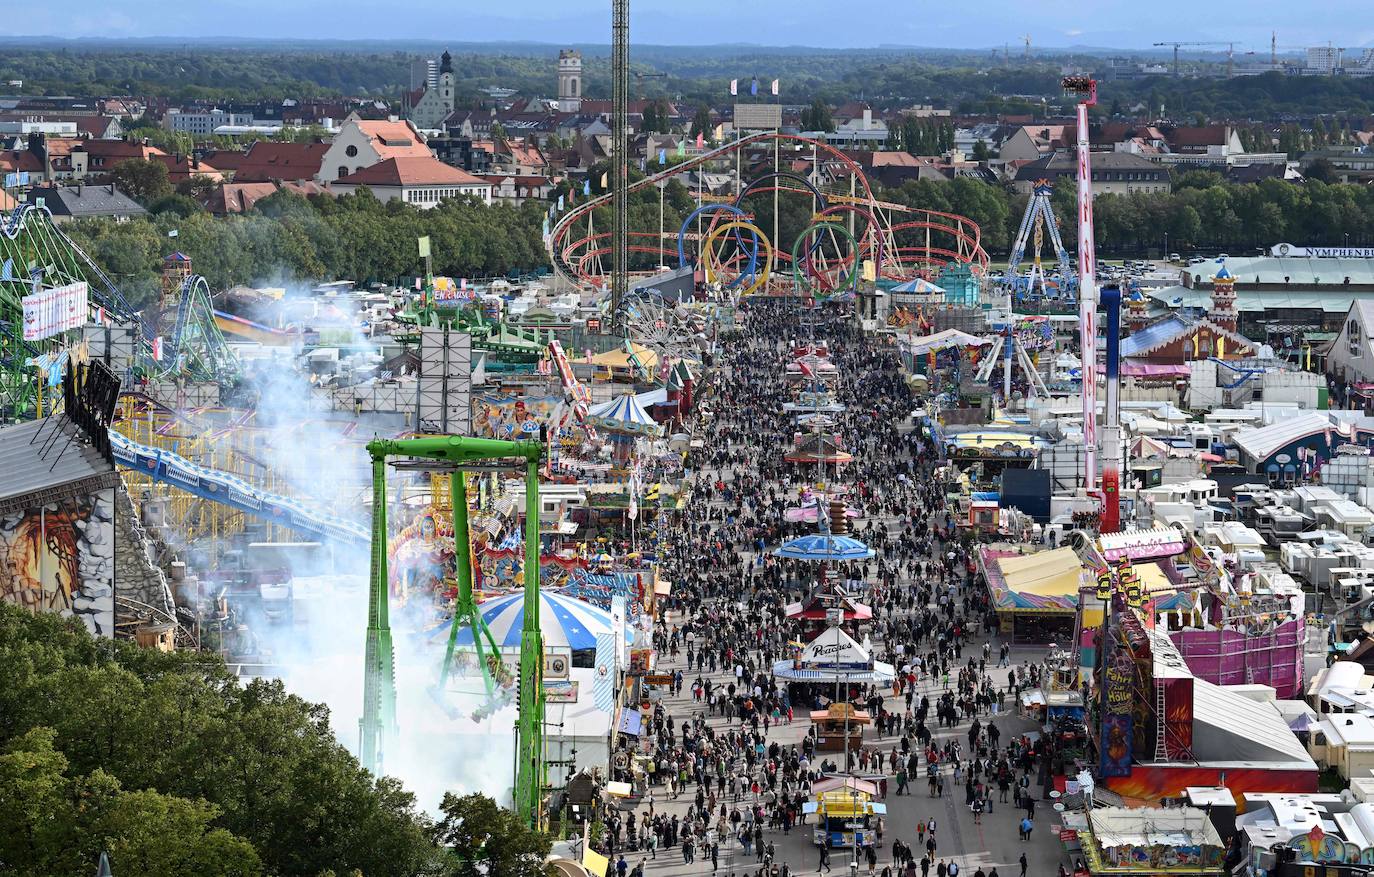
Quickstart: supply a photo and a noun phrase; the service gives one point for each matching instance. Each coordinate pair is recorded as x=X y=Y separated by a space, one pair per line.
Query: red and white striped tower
x=1087 y=278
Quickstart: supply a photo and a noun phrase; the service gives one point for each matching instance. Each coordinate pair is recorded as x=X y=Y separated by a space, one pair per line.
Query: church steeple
x=446 y=62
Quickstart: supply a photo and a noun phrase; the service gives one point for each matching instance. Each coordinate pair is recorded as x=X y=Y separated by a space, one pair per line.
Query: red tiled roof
x=411 y=171
x=113 y=151
x=238 y=197
x=179 y=167
x=20 y=160
x=265 y=161
x=395 y=139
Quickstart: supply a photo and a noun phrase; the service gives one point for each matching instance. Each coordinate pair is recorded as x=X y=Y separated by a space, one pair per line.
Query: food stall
x=834 y=723
x=844 y=818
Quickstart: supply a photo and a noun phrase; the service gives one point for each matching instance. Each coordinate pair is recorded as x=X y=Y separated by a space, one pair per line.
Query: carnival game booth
x=1147 y=841
x=1161 y=730
x=1035 y=595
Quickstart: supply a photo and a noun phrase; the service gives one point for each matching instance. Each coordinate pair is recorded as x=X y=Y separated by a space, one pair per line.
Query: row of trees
x=1203 y=212
x=169 y=765
x=288 y=237
x=359 y=238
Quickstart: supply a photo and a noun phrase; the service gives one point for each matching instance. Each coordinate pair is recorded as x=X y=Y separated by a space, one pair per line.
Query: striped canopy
x=920 y=287
x=567 y=622
x=624 y=414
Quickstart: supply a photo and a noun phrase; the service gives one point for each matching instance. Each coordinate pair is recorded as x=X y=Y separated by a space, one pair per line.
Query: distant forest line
x=887 y=78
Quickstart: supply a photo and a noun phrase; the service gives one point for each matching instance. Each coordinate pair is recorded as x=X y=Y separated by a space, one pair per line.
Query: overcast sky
x=1131 y=24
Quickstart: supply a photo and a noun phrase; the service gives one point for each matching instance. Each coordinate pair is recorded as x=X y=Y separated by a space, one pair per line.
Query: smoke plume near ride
x=318 y=456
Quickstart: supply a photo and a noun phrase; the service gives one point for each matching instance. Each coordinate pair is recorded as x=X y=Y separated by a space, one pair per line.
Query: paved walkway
x=994 y=843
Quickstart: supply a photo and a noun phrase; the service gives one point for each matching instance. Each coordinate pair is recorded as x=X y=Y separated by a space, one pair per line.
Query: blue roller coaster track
x=230 y=490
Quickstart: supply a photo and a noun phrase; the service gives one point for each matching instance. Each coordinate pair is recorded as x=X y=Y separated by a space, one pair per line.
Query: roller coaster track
x=36 y=253
x=197 y=347
x=574 y=258
x=232 y=491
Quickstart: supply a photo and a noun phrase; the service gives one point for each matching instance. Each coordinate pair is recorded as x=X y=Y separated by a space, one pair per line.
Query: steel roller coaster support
x=378 y=722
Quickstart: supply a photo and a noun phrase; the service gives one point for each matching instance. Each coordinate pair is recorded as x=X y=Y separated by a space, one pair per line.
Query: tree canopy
x=173 y=767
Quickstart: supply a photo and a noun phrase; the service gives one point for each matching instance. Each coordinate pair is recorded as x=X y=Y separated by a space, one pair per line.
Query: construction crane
x=1027 y=38
x=1230 y=51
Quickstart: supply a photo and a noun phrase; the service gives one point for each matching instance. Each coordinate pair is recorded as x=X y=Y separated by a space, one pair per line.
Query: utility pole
x=620 y=159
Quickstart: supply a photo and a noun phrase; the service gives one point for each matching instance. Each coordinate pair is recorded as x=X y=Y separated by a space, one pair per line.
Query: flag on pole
x=586 y=187
x=701 y=141
x=734 y=86
x=100 y=316
x=603 y=683
x=157 y=349
x=775 y=88
x=560 y=202
x=754 y=86
x=663 y=156
x=605 y=178
x=546 y=226
x=681 y=148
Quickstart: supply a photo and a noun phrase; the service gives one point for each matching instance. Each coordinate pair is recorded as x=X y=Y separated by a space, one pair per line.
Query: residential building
x=430 y=107
x=463 y=152
x=859 y=131
x=240 y=197
x=203 y=122
x=1030 y=142
x=422 y=181
x=513 y=189
x=1113 y=173
x=181 y=168
x=267 y=161
x=1322 y=61
x=424 y=73
x=66 y=203
x=362 y=143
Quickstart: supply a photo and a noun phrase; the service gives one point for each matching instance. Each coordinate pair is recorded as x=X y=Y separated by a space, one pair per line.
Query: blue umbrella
x=824 y=546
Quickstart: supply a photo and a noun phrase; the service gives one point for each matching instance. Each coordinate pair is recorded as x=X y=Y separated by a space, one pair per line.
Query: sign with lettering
x=1322 y=252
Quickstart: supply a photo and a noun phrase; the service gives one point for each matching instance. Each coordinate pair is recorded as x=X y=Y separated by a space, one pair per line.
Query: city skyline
x=981 y=24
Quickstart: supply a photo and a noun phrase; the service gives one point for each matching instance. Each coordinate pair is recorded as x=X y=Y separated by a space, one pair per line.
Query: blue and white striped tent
x=624 y=414
x=919 y=286
x=568 y=623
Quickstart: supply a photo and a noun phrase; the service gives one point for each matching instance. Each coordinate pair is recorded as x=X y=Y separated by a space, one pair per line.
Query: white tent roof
x=918 y=344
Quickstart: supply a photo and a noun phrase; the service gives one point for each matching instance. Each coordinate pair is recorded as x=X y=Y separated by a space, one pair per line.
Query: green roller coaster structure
x=508 y=344
x=35 y=254
x=378 y=721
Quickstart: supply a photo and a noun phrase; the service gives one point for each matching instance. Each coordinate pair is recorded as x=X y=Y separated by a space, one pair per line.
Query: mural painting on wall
x=512 y=418
x=60 y=558
x=421 y=556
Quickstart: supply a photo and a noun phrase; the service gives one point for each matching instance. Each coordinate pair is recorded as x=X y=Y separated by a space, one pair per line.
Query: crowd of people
x=726 y=624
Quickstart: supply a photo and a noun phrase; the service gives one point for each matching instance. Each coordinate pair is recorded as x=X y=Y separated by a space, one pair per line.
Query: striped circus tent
x=568 y=623
x=623 y=414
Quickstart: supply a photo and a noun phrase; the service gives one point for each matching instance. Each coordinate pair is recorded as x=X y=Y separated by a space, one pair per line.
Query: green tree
x=817 y=117
x=59 y=824
x=1320 y=170
x=487 y=839
x=981 y=151
x=141 y=179
x=701 y=122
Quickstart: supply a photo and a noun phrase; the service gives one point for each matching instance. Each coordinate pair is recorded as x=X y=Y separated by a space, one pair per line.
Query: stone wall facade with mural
x=58 y=556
